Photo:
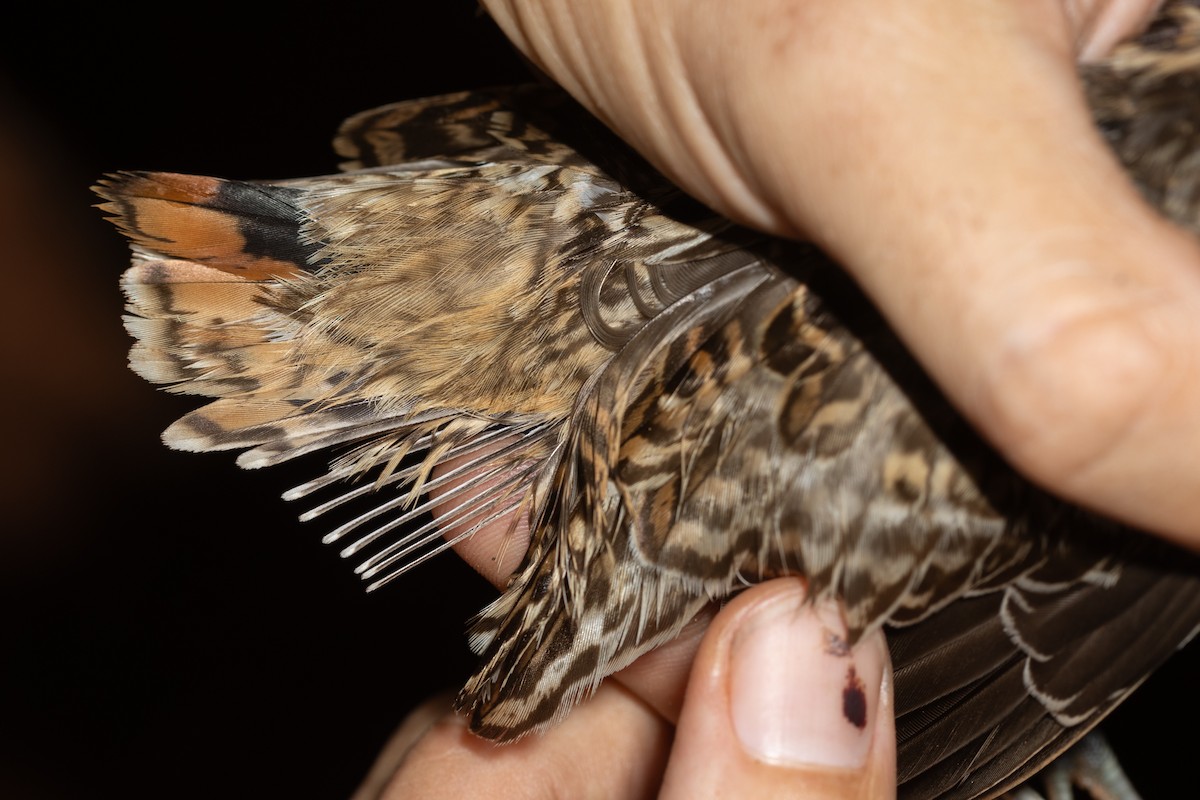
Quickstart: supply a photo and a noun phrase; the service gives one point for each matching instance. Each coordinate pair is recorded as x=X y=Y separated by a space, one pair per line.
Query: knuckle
x=1065 y=400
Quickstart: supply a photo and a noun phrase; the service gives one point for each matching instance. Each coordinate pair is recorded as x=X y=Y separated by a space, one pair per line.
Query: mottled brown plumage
x=678 y=406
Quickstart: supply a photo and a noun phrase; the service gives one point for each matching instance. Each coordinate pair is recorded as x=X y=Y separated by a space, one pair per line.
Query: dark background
x=170 y=628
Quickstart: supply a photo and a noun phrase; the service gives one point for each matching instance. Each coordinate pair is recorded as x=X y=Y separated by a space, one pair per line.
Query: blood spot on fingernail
x=854 y=700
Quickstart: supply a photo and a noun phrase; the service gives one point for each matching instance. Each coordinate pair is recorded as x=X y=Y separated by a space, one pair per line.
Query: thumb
x=778 y=705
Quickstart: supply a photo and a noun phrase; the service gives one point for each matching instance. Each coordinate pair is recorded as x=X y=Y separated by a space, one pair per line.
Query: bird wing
x=676 y=405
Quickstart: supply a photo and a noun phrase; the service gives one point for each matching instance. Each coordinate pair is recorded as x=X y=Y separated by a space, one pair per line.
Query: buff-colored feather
x=678 y=406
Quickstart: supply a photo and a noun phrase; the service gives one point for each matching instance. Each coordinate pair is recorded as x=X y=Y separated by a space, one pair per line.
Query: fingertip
x=415 y=726
x=613 y=745
x=496 y=549
x=778 y=704
x=1091 y=385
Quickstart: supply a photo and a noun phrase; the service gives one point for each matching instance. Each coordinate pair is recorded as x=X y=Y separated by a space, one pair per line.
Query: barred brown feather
x=678 y=406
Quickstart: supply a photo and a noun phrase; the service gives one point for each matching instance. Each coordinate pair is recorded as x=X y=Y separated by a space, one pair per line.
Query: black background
x=170 y=629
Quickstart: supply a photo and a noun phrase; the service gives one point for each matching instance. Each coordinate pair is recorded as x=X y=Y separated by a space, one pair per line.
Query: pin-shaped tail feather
x=677 y=406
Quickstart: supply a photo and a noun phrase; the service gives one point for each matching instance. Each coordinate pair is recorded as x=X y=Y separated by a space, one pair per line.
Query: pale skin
x=943 y=152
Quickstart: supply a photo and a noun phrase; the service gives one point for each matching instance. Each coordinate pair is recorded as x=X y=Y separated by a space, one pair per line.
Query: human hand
x=1002 y=241
x=944 y=154
x=773 y=708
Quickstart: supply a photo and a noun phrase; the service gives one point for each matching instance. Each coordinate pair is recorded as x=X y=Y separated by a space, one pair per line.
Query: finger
x=612 y=746
x=943 y=152
x=398 y=746
x=702 y=94
x=496 y=549
x=778 y=706
x=1053 y=306
x=659 y=678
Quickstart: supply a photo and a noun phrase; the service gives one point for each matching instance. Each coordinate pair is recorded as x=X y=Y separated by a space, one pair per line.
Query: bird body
x=678 y=406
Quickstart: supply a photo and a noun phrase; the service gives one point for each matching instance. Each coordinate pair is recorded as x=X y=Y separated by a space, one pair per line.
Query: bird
x=498 y=309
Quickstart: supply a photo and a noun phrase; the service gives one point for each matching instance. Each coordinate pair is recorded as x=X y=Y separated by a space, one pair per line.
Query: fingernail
x=799 y=694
